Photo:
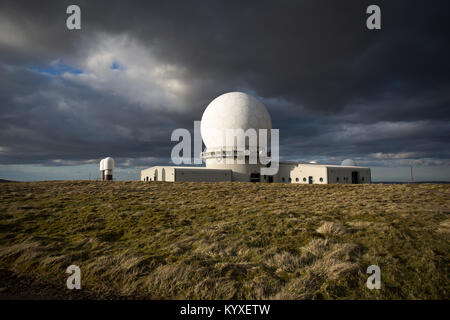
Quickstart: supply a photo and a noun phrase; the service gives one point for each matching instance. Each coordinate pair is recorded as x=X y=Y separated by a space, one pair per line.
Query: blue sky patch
x=116 y=66
x=56 y=69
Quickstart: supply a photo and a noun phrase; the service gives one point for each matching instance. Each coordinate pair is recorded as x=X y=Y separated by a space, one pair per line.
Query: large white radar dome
x=348 y=162
x=233 y=110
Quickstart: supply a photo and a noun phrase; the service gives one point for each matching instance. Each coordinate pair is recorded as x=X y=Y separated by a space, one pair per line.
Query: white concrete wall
x=291 y=172
x=284 y=171
x=202 y=175
x=171 y=174
x=147 y=174
x=300 y=173
x=343 y=175
x=160 y=173
x=241 y=172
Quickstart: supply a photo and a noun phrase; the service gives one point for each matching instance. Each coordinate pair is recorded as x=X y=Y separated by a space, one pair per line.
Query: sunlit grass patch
x=226 y=240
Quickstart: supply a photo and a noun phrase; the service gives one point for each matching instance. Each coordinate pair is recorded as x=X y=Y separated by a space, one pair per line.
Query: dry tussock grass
x=444 y=227
x=331 y=229
x=225 y=240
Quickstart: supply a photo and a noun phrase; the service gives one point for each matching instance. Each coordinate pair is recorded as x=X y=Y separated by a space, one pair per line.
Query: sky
x=137 y=70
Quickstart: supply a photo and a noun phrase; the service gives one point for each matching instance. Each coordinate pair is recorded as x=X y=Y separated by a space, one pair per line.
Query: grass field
x=159 y=240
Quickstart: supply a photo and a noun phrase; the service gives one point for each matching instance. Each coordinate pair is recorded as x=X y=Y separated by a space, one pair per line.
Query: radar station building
x=237 y=110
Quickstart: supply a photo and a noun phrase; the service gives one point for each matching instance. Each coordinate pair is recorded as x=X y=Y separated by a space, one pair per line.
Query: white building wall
x=147 y=174
x=287 y=173
x=343 y=175
x=202 y=175
x=159 y=173
x=284 y=172
x=172 y=174
x=304 y=173
x=301 y=173
x=240 y=172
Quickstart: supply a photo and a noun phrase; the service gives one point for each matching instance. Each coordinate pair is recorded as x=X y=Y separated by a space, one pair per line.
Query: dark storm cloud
x=334 y=88
x=58 y=120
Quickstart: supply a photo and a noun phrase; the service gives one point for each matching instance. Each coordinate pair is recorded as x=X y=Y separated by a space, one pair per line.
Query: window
x=296 y=179
x=290 y=180
x=282 y=179
x=304 y=179
x=337 y=179
x=321 y=179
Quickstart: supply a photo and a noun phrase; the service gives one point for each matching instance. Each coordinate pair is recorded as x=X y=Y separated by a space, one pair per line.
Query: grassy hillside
x=224 y=240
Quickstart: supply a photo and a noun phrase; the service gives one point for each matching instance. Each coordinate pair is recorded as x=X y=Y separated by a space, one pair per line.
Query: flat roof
x=281 y=163
x=188 y=168
x=320 y=165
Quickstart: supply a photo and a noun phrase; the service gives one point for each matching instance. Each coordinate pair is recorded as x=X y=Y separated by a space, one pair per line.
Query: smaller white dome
x=108 y=163
x=102 y=164
x=349 y=162
x=313 y=161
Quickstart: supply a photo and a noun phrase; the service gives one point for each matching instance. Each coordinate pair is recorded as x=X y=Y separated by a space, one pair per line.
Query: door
x=255 y=177
x=163 y=175
x=354 y=177
x=310 y=180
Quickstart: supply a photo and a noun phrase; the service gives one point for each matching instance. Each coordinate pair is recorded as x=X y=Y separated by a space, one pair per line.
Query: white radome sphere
x=348 y=162
x=233 y=110
x=108 y=163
